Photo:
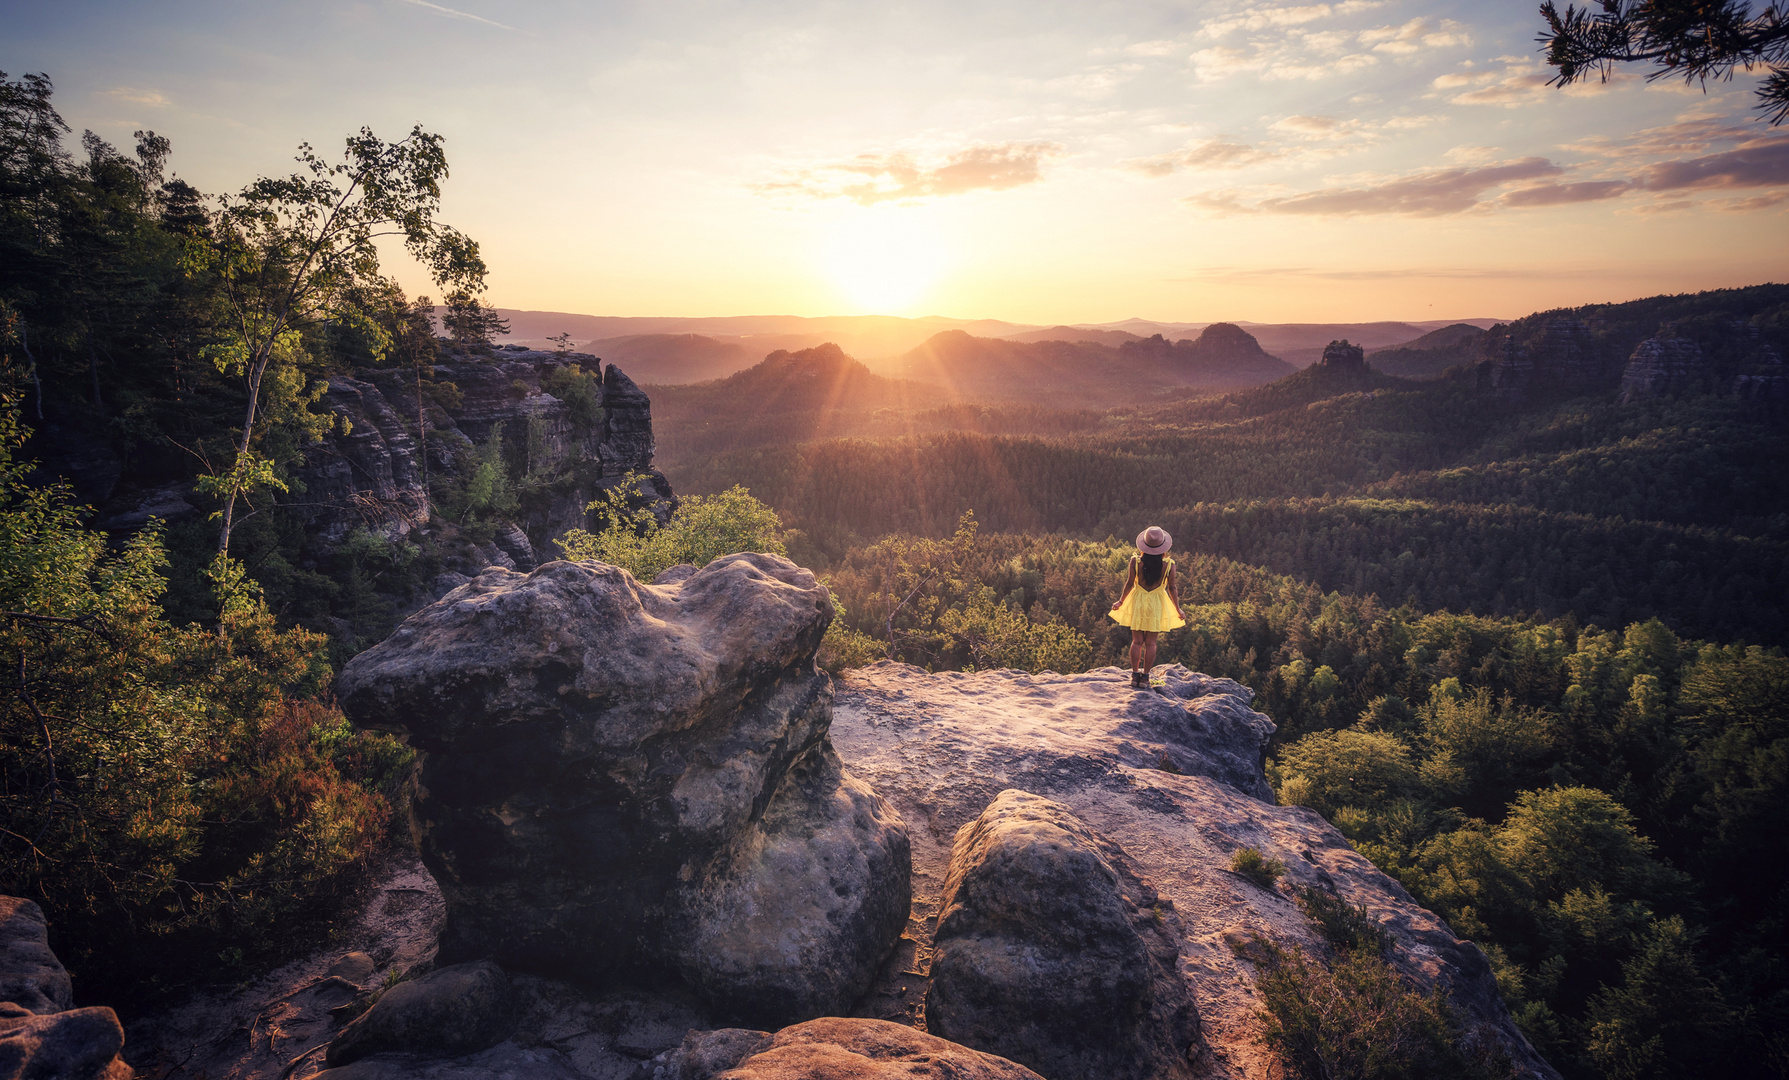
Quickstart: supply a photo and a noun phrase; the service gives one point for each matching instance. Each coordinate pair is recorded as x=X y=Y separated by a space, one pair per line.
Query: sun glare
x=884 y=261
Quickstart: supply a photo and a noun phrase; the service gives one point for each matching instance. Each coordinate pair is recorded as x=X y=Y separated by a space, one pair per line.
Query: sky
x=1036 y=161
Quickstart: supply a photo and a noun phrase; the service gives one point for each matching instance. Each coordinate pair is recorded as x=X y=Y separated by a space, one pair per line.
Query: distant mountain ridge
x=1432 y=354
x=669 y=350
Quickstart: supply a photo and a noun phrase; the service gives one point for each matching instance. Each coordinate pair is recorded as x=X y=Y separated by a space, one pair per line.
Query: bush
x=173 y=795
x=1251 y=864
x=704 y=528
x=580 y=390
x=1356 y=1021
x=1347 y=927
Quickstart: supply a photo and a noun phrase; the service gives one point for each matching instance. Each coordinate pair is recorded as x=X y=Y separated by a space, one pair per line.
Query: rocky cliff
x=373 y=475
x=650 y=817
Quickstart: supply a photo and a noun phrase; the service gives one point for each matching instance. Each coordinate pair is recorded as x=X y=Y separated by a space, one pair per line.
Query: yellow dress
x=1149 y=610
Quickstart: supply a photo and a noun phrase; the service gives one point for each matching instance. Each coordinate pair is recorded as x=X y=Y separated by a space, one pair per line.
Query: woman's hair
x=1150 y=571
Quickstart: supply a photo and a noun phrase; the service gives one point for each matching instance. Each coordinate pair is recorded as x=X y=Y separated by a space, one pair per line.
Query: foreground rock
x=633 y=784
x=830 y=1048
x=1174 y=779
x=1053 y=952
x=449 y=1012
x=41 y=1037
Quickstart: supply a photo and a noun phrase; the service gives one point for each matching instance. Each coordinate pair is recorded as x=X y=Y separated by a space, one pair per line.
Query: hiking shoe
x=1139 y=680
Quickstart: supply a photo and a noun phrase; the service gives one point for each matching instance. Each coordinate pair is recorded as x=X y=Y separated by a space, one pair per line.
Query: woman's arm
x=1174 y=588
x=1129 y=579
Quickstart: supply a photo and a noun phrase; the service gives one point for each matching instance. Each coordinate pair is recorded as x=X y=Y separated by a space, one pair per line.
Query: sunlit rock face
x=1174 y=779
x=633 y=784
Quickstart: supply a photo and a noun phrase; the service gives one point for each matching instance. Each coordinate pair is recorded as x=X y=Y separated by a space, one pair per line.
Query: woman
x=1150 y=603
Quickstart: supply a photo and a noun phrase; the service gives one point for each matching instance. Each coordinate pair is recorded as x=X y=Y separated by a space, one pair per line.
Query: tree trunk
x=256 y=369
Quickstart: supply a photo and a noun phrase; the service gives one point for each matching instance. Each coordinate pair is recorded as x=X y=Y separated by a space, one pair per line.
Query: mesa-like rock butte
x=642 y=787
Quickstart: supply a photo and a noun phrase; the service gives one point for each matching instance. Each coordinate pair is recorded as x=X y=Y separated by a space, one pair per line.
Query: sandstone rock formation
x=30 y=975
x=451 y=1011
x=1661 y=365
x=1175 y=778
x=41 y=1037
x=633 y=784
x=1560 y=354
x=832 y=1047
x=1052 y=951
x=372 y=476
x=1343 y=356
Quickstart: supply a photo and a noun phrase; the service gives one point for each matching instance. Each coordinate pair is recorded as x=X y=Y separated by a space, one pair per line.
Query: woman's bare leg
x=1148 y=651
x=1137 y=637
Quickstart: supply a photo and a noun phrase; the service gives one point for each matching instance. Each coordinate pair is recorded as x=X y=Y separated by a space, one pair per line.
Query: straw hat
x=1154 y=540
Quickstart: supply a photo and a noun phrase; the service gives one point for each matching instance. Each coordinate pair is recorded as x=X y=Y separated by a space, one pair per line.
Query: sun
x=883 y=261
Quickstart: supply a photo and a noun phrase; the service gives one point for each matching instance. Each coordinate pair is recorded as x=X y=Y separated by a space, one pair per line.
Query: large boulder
x=41 y=1037
x=30 y=974
x=633 y=784
x=830 y=1047
x=460 y=1009
x=1052 y=951
x=75 y=1044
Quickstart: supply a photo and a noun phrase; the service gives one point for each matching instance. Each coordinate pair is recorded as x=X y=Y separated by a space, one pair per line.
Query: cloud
x=1562 y=194
x=1687 y=136
x=1755 y=203
x=1433 y=193
x=1760 y=163
x=454 y=13
x=872 y=178
x=1204 y=154
x=1508 y=88
x=1270 y=17
x=1316 y=127
x=1414 y=36
x=138 y=96
x=1411 y=123
x=1153 y=48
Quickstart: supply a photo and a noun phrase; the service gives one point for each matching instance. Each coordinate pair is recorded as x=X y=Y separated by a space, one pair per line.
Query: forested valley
x=1522 y=635
x=1523 y=645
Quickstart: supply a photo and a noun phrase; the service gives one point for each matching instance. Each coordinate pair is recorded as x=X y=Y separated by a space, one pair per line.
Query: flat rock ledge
x=633 y=786
x=1174 y=778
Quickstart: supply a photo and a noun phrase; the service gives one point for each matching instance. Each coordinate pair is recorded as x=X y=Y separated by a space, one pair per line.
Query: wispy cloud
x=1562 y=194
x=138 y=96
x=1692 y=135
x=455 y=13
x=1203 y=154
x=1415 y=36
x=1273 y=17
x=1432 y=193
x=873 y=178
x=1760 y=163
x=1298 y=137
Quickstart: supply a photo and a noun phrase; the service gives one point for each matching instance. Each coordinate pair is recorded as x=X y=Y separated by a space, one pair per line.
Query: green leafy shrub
x=173 y=795
x=580 y=390
x=704 y=528
x=1258 y=868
